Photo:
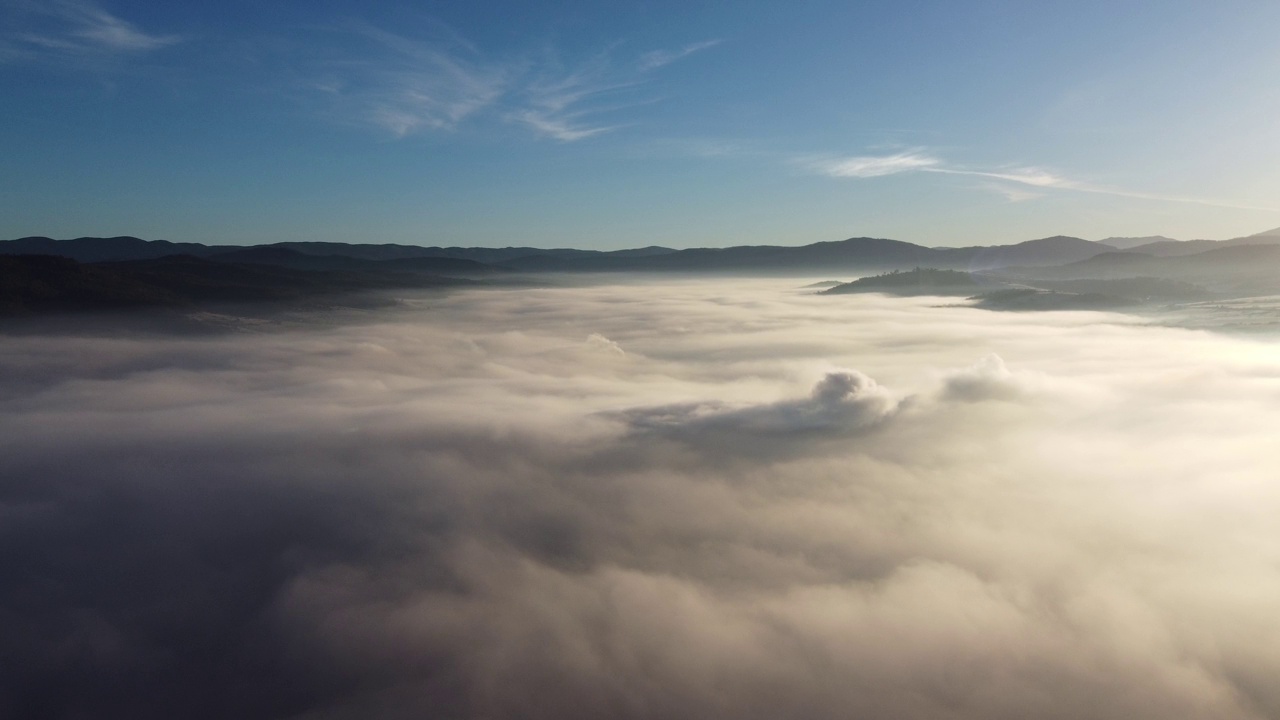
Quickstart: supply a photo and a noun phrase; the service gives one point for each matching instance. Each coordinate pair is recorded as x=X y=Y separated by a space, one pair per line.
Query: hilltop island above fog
x=919 y=281
x=40 y=275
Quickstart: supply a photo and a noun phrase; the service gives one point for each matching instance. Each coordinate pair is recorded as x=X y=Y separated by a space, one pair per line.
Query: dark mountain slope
x=33 y=284
x=45 y=283
x=1175 y=248
x=104 y=249
x=286 y=257
x=1055 y=250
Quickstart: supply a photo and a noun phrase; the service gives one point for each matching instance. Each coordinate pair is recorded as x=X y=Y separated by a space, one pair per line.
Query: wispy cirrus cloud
x=1039 y=178
x=1009 y=181
x=75 y=29
x=403 y=85
x=565 y=104
x=655 y=59
x=869 y=166
x=1012 y=193
x=563 y=128
x=568 y=105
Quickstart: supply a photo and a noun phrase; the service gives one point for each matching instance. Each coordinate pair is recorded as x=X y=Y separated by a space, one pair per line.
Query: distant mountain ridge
x=43 y=275
x=104 y=249
x=1162 y=246
x=853 y=254
x=861 y=254
x=1231 y=270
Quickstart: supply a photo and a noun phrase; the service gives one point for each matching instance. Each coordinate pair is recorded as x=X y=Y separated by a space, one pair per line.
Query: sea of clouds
x=667 y=499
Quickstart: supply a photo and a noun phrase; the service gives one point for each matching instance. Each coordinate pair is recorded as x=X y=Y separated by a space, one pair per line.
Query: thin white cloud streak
x=872 y=166
x=655 y=59
x=81 y=27
x=1038 y=178
x=869 y=166
x=1012 y=193
x=559 y=127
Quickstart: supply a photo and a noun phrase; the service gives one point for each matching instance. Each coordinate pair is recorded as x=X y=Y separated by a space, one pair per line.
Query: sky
x=611 y=125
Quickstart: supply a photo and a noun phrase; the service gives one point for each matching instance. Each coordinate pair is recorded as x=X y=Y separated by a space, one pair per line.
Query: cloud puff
x=599 y=342
x=463 y=508
x=988 y=379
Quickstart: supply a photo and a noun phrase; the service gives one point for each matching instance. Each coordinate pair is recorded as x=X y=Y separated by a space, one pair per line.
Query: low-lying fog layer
x=714 y=499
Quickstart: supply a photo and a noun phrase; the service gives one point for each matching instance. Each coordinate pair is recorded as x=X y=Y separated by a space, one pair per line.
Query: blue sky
x=606 y=125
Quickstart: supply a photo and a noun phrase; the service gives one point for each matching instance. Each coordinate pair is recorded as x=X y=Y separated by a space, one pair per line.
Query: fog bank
x=725 y=498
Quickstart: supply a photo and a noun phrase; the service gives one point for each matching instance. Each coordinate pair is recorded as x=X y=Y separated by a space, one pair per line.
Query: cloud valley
x=695 y=498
